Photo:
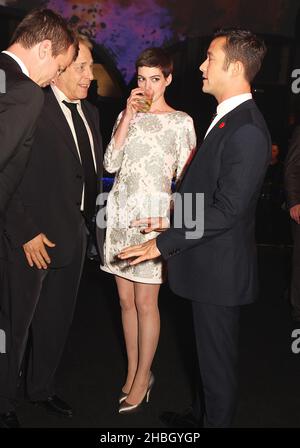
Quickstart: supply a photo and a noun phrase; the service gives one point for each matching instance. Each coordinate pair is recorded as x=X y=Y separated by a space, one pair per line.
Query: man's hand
x=295 y=213
x=36 y=253
x=145 y=251
x=148 y=225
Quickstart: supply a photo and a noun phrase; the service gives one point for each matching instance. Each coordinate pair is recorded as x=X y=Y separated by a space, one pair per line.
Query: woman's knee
x=127 y=302
x=146 y=305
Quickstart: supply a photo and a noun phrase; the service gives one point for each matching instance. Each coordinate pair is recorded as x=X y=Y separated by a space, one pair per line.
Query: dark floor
x=93 y=366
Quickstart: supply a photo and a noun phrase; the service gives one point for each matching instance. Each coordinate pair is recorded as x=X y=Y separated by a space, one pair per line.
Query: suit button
x=78 y=176
x=78 y=203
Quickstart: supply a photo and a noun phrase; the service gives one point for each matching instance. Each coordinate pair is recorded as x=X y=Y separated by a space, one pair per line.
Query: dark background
x=193 y=23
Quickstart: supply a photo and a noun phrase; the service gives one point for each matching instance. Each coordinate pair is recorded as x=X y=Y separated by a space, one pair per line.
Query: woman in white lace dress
x=147 y=150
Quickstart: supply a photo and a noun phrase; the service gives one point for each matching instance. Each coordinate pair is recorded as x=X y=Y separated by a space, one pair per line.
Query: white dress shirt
x=18 y=61
x=60 y=96
x=227 y=106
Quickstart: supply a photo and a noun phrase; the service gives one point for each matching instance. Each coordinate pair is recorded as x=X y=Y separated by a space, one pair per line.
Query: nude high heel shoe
x=122 y=397
x=127 y=408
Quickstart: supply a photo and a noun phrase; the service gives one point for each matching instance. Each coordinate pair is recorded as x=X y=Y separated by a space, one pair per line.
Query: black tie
x=90 y=178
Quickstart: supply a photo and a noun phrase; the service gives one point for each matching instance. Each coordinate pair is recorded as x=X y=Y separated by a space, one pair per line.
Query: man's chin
x=206 y=88
x=82 y=96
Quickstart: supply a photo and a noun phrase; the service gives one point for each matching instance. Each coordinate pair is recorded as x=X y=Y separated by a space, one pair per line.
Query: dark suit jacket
x=292 y=170
x=20 y=107
x=51 y=188
x=229 y=167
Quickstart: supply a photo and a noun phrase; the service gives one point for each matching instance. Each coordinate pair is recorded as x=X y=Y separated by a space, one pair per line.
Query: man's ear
x=237 y=68
x=169 y=79
x=45 y=48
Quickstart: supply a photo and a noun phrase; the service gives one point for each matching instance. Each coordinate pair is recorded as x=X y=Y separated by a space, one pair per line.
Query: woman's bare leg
x=146 y=301
x=130 y=327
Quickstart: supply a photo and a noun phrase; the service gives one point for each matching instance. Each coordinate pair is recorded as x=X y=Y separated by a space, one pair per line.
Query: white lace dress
x=155 y=151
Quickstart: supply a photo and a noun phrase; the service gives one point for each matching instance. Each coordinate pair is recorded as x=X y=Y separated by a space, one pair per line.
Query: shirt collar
x=60 y=96
x=231 y=103
x=18 y=61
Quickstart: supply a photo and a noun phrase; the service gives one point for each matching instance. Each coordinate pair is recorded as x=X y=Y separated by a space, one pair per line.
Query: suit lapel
x=219 y=127
x=95 y=134
x=203 y=147
x=56 y=115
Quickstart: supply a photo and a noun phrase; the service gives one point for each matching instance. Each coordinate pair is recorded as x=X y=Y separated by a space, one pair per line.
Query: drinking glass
x=145 y=101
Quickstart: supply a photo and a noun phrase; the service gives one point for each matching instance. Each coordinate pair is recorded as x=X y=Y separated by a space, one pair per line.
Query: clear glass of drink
x=145 y=100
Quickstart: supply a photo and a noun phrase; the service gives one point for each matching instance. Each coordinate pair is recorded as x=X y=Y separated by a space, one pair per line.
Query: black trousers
x=39 y=307
x=295 y=281
x=217 y=333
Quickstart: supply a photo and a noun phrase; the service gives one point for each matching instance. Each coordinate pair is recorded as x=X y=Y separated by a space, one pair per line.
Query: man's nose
x=90 y=73
x=203 y=66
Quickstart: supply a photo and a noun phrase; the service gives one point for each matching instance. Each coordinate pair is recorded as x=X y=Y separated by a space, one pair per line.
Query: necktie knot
x=71 y=106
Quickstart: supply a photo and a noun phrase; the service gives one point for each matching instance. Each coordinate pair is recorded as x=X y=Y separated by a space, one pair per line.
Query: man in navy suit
x=217 y=269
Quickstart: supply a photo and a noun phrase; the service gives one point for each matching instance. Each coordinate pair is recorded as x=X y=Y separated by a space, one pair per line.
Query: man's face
x=75 y=81
x=49 y=66
x=215 y=77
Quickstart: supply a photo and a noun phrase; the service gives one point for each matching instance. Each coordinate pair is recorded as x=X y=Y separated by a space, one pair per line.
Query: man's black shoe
x=175 y=420
x=9 y=420
x=55 y=405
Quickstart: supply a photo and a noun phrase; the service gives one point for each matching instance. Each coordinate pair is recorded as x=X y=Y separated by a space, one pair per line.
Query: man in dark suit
x=215 y=266
x=292 y=188
x=47 y=241
x=41 y=46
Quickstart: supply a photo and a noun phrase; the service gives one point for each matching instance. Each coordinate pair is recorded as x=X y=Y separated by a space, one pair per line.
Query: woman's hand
x=133 y=103
x=128 y=114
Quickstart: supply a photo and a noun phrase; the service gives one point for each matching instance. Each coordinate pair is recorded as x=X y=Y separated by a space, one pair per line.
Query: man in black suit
x=47 y=241
x=215 y=266
x=292 y=188
x=41 y=46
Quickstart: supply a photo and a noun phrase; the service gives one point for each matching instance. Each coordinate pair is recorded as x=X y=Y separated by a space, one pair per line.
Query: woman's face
x=152 y=79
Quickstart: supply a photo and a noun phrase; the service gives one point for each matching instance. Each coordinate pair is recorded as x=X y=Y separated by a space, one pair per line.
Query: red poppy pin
x=221 y=125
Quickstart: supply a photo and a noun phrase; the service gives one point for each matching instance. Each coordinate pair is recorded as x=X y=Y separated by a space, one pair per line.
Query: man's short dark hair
x=243 y=46
x=42 y=24
x=155 y=57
